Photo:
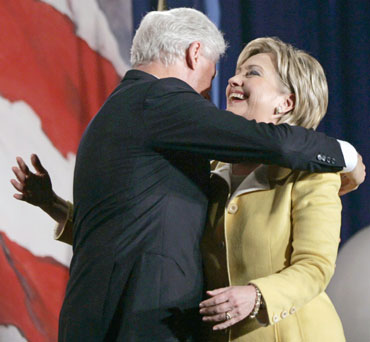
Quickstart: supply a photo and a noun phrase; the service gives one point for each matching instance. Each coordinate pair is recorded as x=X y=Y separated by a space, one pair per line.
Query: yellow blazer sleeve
x=64 y=231
x=316 y=219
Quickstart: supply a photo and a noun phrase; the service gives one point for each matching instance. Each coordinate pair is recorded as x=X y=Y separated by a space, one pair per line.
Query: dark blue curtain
x=337 y=34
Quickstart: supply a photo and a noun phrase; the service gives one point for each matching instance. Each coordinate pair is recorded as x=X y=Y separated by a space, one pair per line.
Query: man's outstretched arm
x=36 y=189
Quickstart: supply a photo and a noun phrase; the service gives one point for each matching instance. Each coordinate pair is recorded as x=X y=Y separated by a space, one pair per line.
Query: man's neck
x=159 y=70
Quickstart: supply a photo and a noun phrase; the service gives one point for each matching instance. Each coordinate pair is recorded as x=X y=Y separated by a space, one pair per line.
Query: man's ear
x=193 y=54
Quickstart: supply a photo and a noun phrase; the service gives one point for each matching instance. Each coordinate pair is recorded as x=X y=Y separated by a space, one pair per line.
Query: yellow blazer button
x=233 y=208
x=284 y=314
x=275 y=318
x=292 y=310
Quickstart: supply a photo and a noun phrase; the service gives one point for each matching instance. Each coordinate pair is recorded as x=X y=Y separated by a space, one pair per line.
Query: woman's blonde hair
x=300 y=74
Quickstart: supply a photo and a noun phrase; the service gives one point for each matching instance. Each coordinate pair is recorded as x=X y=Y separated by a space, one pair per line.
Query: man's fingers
x=37 y=164
x=352 y=180
x=346 y=189
x=342 y=192
x=345 y=184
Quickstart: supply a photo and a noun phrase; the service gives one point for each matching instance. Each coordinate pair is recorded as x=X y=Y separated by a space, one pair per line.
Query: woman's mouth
x=236 y=96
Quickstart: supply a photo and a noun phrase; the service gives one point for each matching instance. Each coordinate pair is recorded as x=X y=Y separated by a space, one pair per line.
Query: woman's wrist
x=257 y=303
x=57 y=208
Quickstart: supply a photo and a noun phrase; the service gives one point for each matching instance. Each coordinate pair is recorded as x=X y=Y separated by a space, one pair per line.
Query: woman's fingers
x=218 y=299
x=216 y=309
x=217 y=291
x=37 y=164
x=229 y=306
x=19 y=197
x=224 y=320
x=22 y=165
x=228 y=323
x=19 y=174
x=17 y=186
x=221 y=317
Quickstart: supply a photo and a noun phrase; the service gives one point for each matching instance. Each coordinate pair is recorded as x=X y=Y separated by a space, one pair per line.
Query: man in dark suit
x=141 y=185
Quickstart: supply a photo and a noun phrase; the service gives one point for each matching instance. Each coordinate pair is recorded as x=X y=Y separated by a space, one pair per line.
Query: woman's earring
x=278 y=110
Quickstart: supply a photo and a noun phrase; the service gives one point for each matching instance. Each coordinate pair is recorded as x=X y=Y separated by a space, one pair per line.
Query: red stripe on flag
x=32 y=290
x=44 y=63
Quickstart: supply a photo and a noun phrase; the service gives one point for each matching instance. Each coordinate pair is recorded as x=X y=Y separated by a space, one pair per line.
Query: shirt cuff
x=350 y=155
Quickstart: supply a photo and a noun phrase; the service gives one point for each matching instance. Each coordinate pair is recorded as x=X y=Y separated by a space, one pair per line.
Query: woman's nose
x=236 y=81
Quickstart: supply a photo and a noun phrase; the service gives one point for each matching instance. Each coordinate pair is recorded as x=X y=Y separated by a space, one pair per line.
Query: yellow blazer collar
x=255 y=181
x=258 y=180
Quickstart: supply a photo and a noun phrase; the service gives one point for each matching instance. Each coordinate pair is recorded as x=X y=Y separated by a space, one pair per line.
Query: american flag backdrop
x=59 y=60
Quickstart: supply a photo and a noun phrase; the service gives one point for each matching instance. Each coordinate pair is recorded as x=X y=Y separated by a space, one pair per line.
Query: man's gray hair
x=166 y=35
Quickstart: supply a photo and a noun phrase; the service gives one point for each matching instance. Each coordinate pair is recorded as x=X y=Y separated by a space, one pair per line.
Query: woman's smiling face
x=255 y=91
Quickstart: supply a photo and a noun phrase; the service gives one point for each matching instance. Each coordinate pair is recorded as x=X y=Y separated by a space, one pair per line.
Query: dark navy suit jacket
x=141 y=193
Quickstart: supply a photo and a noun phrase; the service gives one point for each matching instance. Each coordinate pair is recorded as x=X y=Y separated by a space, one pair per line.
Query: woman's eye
x=252 y=73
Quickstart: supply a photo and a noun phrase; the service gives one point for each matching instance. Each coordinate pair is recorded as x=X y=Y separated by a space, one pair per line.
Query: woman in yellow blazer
x=272 y=236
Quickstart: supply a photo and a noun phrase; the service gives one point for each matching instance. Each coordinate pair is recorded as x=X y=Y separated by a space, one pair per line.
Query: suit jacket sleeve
x=316 y=218
x=178 y=118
